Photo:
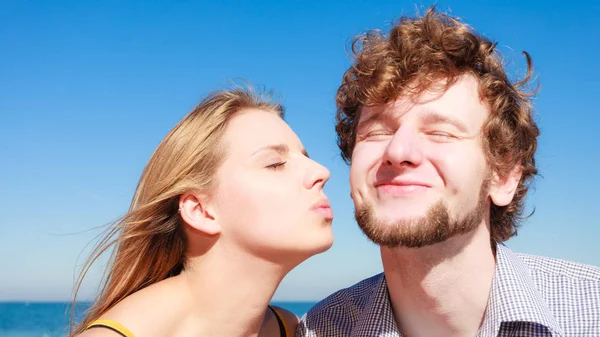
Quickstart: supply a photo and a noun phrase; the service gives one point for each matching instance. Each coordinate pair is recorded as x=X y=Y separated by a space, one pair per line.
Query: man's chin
x=386 y=216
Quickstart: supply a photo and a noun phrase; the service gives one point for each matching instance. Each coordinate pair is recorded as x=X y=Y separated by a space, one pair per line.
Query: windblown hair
x=150 y=244
x=419 y=54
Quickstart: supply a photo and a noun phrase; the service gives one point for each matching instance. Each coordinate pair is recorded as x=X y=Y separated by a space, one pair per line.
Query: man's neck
x=443 y=289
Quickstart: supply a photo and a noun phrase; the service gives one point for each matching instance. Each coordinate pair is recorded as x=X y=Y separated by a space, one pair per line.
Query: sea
x=51 y=319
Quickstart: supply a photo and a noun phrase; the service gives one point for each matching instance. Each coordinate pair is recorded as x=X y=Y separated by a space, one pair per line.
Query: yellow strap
x=112 y=325
x=285 y=327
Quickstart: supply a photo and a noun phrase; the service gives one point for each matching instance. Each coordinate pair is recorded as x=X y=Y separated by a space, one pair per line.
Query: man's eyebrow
x=434 y=117
x=375 y=115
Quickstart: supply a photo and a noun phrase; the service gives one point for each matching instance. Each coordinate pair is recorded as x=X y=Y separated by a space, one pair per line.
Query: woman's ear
x=197 y=212
x=502 y=189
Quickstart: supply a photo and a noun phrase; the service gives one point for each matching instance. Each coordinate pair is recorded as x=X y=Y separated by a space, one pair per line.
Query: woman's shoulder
x=95 y=332
x=106 y=328
x=127 y=316
x=141 y=313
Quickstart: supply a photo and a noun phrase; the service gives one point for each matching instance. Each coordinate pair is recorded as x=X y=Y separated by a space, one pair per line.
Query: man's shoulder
x=570 y=289
x=548 y=268
x=348 y=301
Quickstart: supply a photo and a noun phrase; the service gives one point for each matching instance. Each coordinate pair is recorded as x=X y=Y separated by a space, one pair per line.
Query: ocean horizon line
x=90 y=301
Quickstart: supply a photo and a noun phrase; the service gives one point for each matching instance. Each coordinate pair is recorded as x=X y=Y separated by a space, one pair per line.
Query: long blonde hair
x=150 y=245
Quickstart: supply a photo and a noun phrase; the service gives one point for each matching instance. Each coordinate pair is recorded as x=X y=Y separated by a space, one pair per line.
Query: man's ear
x=502 y=189
x=197 y=212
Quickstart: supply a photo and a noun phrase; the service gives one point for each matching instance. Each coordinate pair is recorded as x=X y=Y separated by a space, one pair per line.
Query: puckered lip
x=322 y=203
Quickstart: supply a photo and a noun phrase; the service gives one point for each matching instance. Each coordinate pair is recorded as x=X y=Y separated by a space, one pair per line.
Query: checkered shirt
x=531 y=296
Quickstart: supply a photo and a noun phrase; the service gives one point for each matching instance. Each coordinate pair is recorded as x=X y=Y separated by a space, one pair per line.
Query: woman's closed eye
x=277 y=166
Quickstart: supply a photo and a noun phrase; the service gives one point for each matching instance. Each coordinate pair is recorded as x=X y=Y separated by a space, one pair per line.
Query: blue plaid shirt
x=530 y=296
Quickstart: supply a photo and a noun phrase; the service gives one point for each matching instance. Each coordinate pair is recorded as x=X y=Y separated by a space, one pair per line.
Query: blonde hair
x=150 y=245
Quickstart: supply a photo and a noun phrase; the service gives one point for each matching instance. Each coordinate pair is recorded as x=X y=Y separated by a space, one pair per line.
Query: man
x=441 y=146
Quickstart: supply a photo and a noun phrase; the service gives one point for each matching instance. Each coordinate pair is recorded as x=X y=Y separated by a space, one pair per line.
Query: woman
x=228 y=204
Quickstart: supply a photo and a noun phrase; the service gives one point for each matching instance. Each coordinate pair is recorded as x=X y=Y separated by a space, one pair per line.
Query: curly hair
x=418 y=54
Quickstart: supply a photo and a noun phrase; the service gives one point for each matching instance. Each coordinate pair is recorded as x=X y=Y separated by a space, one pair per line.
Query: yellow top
x=282 y=321
x=113 y=326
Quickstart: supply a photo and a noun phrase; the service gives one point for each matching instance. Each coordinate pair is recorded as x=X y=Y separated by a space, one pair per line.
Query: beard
x=436 y=226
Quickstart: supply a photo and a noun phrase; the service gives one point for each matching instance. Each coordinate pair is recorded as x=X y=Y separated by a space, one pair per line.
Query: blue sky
x=89 y=88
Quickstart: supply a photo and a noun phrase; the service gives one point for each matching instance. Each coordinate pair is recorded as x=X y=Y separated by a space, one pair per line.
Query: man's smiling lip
x=401 y=186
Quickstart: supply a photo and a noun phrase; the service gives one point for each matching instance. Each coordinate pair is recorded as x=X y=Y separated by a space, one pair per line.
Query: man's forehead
x=461 y=96
x=392 y=109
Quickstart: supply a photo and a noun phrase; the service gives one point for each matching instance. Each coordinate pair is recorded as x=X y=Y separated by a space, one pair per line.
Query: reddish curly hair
x=417 y=54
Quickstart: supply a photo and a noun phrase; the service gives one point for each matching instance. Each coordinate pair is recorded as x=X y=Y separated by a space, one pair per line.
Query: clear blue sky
x=89 y=88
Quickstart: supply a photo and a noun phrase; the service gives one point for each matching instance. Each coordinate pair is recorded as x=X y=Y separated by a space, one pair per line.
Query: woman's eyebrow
x=279 y=148
x=282 y=149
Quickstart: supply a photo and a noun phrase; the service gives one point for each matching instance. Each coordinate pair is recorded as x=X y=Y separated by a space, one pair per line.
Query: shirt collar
x=513 y=298
x=377 y=318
